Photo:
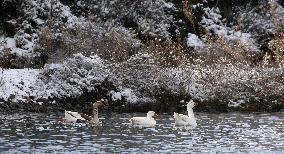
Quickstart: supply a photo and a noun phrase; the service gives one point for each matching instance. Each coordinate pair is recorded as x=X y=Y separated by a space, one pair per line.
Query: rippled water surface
x=226 y=133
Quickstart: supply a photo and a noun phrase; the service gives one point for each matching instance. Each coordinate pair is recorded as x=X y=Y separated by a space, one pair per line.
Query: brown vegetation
x=71 y=41
x=114 y=46
x=277 y=47
x=169 y=54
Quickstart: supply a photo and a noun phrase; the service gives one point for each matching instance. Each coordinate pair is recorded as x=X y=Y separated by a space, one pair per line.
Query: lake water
x=215 y=133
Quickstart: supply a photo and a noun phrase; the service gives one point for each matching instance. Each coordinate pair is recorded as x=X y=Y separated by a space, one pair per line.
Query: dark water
x=215 y=133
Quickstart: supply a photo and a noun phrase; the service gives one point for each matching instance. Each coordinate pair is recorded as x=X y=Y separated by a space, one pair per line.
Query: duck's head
x=175 y=114
x=99 y=104
x=151 y=114
x=191 y=104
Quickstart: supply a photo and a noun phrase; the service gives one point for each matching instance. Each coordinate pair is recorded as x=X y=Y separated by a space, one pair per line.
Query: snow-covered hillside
x=139 y=52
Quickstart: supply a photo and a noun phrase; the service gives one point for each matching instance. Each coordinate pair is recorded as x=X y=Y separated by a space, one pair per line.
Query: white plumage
x=144 y=121
x=186 y=120
x=73 y=117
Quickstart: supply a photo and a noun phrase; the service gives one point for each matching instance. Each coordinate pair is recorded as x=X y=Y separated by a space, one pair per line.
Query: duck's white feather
x=186 y=120
x=72 y=117
x=144 y=121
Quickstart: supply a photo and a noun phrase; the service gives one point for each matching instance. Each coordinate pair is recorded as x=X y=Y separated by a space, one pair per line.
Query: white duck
x=186 y=120
x=72 y=117
x=76 y=117
x=144 y=121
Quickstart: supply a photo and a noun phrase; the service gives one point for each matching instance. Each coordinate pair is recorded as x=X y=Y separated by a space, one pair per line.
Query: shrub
x=168 y=53
x=6 y=58
x=277 y=47
x=58 y=47
x=116 y=46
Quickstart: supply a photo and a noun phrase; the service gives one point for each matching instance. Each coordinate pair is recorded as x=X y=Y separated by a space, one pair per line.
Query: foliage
x=130 y=45
x=277 y=47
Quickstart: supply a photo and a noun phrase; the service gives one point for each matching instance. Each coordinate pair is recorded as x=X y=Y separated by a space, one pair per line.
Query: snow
x=37 y=11
x=39 y=21
x=115 y=95
x=257 y=20
x=168 y=5
x=17 y=83
x=237 y=103
x=68 y=79
x=10 y=43
x=135 y=82
x=72 y=77
x=139 y=78
x=194 y=41
x=40 y=103
x=55 y=80
x=213 y=22
x=124 y=93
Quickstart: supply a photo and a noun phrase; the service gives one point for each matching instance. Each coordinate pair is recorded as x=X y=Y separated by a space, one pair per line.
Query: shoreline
x=59 y=106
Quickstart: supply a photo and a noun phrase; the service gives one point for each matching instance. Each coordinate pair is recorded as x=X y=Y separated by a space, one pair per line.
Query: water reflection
x=183 y=128
x=226 y=133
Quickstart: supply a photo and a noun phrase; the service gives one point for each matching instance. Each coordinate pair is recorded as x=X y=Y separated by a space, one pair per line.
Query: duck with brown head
x=76 y=117
x=95 y=114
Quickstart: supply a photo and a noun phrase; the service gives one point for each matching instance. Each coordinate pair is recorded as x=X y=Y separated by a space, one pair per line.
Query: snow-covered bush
x=116 y=44
x=73 y=77
x=259 y=18
x=224 y=80
x=31 y=16
x=214 y=24
x=111 y=43
x=128 y=44
x=62 y=46
x=240 y=81
x=126 y=94
x=138 y=73
x=149 y=17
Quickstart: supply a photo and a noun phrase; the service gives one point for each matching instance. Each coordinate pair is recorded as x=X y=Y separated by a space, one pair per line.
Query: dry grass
x=220 y=51
x=59 y=47
x=6 y=58
x=275 y=19
x=76 y=40
x=46 y=43
x=114 y=47
x=277 y=47
x=187 y=10
x=71 y=41
x=169 y=54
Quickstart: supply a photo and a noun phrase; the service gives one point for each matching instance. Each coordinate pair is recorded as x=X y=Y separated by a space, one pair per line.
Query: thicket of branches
x=147 y=59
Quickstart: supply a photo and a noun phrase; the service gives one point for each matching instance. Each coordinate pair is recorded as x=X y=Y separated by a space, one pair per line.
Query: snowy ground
x=67 y=80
